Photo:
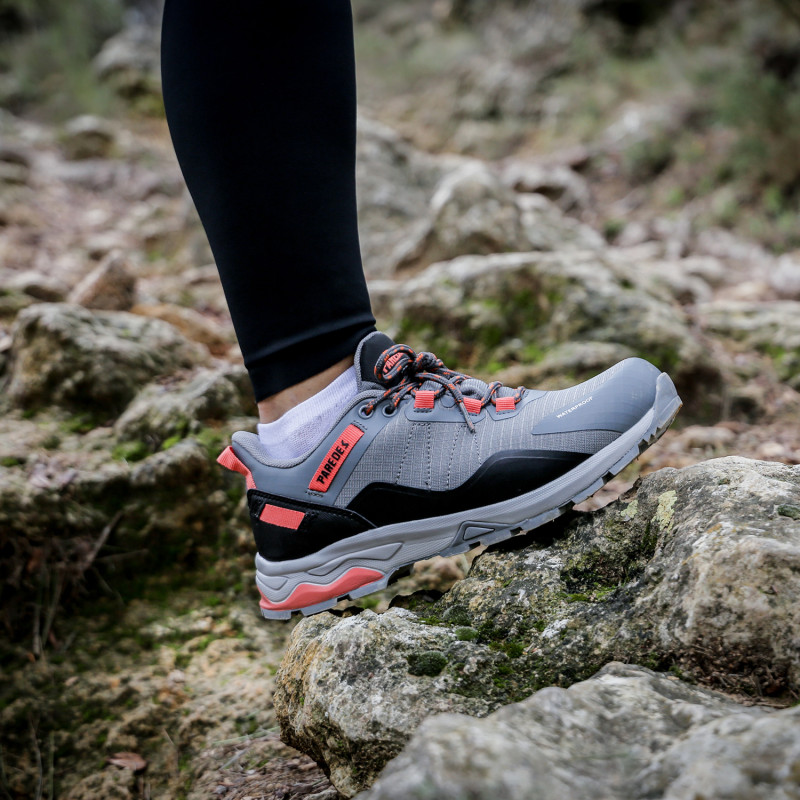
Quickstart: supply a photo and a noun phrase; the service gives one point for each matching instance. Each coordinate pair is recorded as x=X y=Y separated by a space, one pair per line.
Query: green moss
x=793 y=512
x=613 y=228
x=81 y=423
x=576 y=597
x=466 y=634
x=457 y=615
x=52 y=442
x=130 y=451
x=532 y=353
x=171 y=442
x=429 y=662
x=213 y=441
x=11 y=461
x=514 y=649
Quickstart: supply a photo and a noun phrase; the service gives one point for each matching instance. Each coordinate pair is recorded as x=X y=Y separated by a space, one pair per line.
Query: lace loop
x=403 y=371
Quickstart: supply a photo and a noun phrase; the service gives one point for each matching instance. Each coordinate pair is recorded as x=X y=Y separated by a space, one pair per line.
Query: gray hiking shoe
x=427 y=461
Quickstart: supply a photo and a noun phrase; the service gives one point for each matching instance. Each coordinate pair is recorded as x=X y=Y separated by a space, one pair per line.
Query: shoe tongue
x=367 y=355
x=473 y=387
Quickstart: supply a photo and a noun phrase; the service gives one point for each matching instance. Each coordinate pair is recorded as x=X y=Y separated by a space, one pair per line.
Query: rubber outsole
x=470 y=534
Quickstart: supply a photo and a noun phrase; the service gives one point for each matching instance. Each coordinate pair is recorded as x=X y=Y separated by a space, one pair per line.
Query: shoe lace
x=404 y=371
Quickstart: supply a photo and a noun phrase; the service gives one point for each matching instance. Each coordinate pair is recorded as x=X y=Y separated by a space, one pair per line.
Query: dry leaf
x=128 y=760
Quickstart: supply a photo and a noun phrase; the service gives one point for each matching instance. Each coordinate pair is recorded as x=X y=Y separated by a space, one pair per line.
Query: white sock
x=302 y=428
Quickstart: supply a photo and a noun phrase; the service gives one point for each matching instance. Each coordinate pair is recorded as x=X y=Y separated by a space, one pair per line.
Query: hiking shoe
x=427 y=461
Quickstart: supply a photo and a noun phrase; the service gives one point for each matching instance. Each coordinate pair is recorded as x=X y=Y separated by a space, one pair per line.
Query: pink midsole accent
x=309 y=594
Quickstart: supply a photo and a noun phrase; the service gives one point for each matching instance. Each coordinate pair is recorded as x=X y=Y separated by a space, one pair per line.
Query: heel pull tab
x=228 y=459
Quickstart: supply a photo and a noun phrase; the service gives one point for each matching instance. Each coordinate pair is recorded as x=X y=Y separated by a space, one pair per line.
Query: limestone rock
x=37 y=286
x=467 y=311
x=87 y=136
x=192 y=324
x=93 y=361
x=773 y=328
x=388 y=666
x=785 y=277
x=625 y=733
x=474 y=213
x=129 y=62
x=558 y=182
x=415 y=208
x=395 y=182
x=110 y=286
x=692 y=571
x=15 y=165
x=181 y=408
x=578 y=360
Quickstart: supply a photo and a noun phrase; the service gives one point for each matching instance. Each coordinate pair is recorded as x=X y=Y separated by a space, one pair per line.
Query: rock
x=129 y=62
x=474 y=213
x=112 y=783
x=92 y=174
x=772 y=328
x=415 y=208
x=192 y=324
x=69 y=356
x=468 y=309
x=15 y=165
x=110 y=286
x=87 y=136
x=177 y=409
x=495 y=88
x=395 y=182
x=701 y=437
x=692 y=571
x=38 y=286
x=564 y=364
x=785 y=278
x=14 y=174
x=557 y=182
x=625 y=733
x=60 y=504
x=333 y=667
x=547 y=228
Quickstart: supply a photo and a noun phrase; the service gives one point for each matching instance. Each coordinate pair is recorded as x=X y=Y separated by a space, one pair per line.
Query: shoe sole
x=365 y=563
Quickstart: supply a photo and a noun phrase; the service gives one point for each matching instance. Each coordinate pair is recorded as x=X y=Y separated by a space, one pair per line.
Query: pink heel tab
x=228 y=459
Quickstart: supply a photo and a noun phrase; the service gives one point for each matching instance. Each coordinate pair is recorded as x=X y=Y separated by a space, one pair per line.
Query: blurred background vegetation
x=499 y=78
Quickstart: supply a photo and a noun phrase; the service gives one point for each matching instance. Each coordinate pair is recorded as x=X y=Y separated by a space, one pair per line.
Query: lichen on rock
x=691 y=571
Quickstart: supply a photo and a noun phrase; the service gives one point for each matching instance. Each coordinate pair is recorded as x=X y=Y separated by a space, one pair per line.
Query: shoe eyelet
x=389 y=410
x=364 y=413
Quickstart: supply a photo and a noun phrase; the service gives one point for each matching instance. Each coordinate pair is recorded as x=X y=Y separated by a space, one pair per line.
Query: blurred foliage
x=46 y=52
x=765 y=110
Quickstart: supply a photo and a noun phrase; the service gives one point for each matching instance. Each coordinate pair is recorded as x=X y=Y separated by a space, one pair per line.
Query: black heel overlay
x=319 y=526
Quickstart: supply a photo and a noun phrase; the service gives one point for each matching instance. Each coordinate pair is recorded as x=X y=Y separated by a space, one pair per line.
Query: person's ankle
x=274 y=407
x=306 y=415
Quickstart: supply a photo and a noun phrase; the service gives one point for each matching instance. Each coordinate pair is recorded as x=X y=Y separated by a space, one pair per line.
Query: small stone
x=192 y=324
x=771 y=451
x=39 y=286
x=86 y=137
x=707 y=437
x=557 y=182
x=111 y=286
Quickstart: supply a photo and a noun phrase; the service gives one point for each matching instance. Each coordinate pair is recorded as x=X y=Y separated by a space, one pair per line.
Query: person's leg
x=261 y=105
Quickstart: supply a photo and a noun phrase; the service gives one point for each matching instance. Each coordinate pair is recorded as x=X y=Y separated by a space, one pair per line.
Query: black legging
x=261 y=104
